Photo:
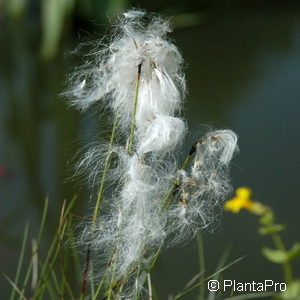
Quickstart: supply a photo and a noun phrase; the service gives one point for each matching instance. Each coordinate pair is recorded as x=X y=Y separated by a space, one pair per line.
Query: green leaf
x=281 y=256
x=276 y=256
x=295 y=251
x=271 y=229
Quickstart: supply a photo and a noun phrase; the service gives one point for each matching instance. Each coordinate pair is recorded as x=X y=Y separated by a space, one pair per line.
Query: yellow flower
x=241 y=200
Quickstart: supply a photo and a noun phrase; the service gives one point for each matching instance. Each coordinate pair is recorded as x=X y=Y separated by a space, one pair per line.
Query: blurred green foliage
x=55 y=17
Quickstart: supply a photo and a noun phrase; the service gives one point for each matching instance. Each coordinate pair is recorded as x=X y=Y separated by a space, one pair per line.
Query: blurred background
x=243 y=72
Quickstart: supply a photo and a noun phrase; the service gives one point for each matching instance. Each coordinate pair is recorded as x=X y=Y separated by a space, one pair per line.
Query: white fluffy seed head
x=204 y=187
x=112 y=73
x=214 y=150
x=159 y=95
x=164 y=134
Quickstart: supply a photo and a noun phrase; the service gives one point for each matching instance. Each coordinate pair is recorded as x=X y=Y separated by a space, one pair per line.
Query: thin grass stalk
x=22 y=297
x=47 y=265
x=120 y=290
x=21 y=259
x=35 y=265
x=28 y=272
x=55 y=281
x=193 y=280
x=106 y=166
x=150 y=295
x=220 y=264
x=98 y=289
x=185 y=292
x=111 y=285
x=40 y=286
x=59 y=246
x=74 y=253
x=66 y=281
x=50 y=290
x=137 y=294
x=62 y=258
x=97 y=208
x=100 y=285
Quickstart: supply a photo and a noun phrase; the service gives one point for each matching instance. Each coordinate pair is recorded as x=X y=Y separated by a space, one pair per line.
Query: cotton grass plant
x=146 y=200
x=143 y=199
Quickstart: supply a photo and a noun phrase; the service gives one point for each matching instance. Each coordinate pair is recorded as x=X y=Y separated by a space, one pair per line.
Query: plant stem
x=129 y=150
x=111 y=283
x=98 y=289
x=149 y=286
x=166 y=200
x=106 y=166
x=97 y=207
x=287 y=268
x=41 y=229
x=53 y=252
x=21 y=259
x=176 y=182
x=136 y=96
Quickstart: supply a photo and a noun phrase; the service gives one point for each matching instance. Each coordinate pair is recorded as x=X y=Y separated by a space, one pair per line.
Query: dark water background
x=243 y=73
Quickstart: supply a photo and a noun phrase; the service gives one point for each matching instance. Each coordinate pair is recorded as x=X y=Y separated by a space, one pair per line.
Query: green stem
x=97 y=206
x=106 y=166
x=41 y=229
x=120 y=291
x=167 y=201
x=98 y=289
x=21 y=259
x=175 y=183
x=136 y=96
x=149 y=287
x=287 y=268
x=111 y=283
